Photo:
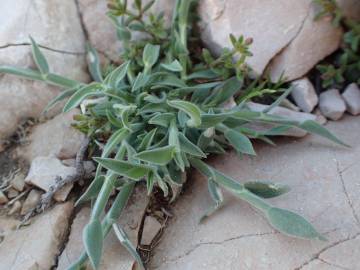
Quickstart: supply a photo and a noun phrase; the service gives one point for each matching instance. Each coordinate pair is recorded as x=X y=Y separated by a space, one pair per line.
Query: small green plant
x=346 y=66
x=159 y=113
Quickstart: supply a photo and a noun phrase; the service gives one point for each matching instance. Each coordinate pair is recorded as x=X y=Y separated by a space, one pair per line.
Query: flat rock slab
x=35 y=247
x=325 y=184
x=115 y=256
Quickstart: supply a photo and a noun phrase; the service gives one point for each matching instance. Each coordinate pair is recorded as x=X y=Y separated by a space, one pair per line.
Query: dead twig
x=46 y=198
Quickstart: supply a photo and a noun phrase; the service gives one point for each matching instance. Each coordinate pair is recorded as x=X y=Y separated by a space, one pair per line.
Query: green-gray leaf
x=266 y=190
x=292 y=224
x=93 y=242
x=39 y=58
x=240 y=142
x=150 y=55
x=174 y=66
x=94 y=63
x=188 y=147
x=190 y=109
x=158 y=156
x=81 y=94
x=131 y=170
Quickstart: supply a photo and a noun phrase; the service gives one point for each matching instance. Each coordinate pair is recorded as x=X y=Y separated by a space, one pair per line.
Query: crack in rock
x=333 y=265
x=41 y=46
x=198 y=245
x=317 y=255
x=349 y=201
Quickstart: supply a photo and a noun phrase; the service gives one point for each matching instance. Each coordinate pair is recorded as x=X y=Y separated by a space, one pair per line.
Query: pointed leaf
x=92 y=191
x=150 y=54
x=159 y=156
x=118 y=74
x=162 y=119
x=64 y=94
x=81 y=94
x=174 y=66
x=39 y=58
x=94 y=63
x=125 y=241
x=240 y=142
x=266 y=190
x=217 y=196
x=131 y=170
x=190 y=109
x=315 y=128
x=93 y=242
x=188 y=147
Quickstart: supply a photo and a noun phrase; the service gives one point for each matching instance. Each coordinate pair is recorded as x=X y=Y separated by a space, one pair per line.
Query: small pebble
x=304 y=94
x=331 y=104
x=18 y=182
x=31 y=201
x=351 y=96
x=3 y=198
x=12 y=193
x=15 y=208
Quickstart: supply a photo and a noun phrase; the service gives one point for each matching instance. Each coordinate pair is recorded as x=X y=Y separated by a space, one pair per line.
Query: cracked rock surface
x=36 y=246
x=56 y=27
x=325 y=189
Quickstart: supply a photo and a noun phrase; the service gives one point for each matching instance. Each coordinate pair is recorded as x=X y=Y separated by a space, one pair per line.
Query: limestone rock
x=88 y=165
x=271 y=24
x=3 y=198
x=280 y=111
x=314 y=41
x=12 y=193
x=31 y=201
x=53 y=24
x=331 y=104
x=102 y=33
x=115 y=256
x=351 y=96
x=7 y=225
x=15 y=208
x=43 y=173
x=151 y=228
x=55 y=137
x=324 y=186
x=304 y=94
x=36 y=246
x=18 y=182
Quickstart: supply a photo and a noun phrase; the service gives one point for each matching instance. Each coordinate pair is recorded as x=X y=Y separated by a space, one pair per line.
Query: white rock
x=54 y=24
x=102 y=33
x=89 y=166
x=43 y=172
x=271 y=24
x=3 y=198
x=115 y=256
x=16 y=207
x=31 y=201
x=151 y=228
x=228 y=240
x=55 y=137
x=315 y=40
x=12 y=193
x=18 y=182
x=7 y=225
x=280 y=111
x=304 y=94
x=36 y=247
x=351 y=96
x=331 y=104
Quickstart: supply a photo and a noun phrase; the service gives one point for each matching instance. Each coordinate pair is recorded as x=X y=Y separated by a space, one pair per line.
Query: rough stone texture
x=315 y=41
x=54 y=137
x=43 y=172
x=102 y=33
x=351 y=8
x=3 y=198
x=7 y=225
x=325 y=189
x=304 y=94
x=31 y=201
x=331 y=104
x=115 y=257
x=150 y=230
x=15 y=208
x=53 y=24
x=18 y=182
x=35 y=247
x=271 y=24
x=280 y=111
x=351 y=96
